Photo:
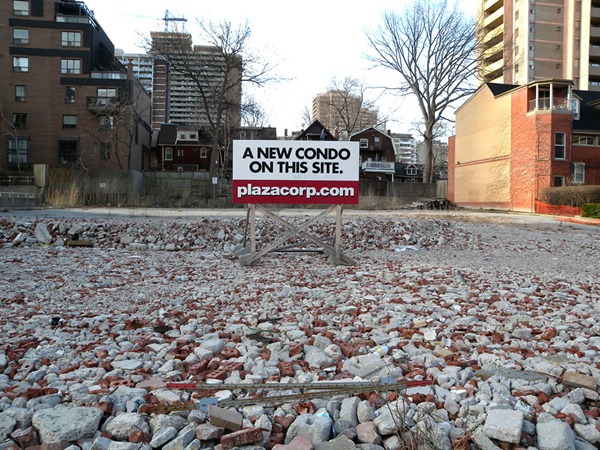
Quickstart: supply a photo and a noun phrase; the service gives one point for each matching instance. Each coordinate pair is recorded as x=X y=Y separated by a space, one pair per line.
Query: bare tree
x=8 y=127
x=118 y=128
x=253 y=114
x=350 y=110
x=217 y=78
x=432 y=46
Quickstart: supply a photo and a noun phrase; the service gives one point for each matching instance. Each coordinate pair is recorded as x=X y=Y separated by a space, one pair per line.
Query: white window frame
x=20 y=8
x=23 y=39
x=578 y=173
x=70 y=39
x=168 y=154
x=203 y=152
x=70 y=66
x=20 y=64
x=180 y=153
x=575 y=108
x=583 y=140
x=411 y=171
x=558 y=146
x=560 y=179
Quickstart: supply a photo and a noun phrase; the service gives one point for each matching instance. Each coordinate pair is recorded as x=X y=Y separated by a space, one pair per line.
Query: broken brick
x=242 y=437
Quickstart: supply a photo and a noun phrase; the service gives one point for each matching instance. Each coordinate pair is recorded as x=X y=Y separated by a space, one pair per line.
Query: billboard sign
x=308 y=172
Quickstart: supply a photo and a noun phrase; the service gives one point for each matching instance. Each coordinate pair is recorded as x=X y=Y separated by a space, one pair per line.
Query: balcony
x=107 y=75
x=102 y=105
x=494 y=20
x=492 y=5
x=379 y=166
x=560 y=104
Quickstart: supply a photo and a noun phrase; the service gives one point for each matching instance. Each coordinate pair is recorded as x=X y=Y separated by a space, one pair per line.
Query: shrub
x=571 y=195
x=591 y=210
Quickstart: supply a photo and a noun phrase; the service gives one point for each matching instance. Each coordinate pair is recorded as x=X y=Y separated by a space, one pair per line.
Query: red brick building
x=513 y=141
x=66 y=100
x=377 y=154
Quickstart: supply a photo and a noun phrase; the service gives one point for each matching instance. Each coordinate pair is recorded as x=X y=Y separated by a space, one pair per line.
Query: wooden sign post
x=294 y=172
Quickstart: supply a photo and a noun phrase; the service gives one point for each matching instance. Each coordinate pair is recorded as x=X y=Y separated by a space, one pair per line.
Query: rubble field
x=445 y=334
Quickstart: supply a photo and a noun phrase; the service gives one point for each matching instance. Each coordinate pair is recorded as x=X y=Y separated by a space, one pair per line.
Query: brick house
x=66 y=100
x=182 y=148
x=513 y=141
x=377 y=154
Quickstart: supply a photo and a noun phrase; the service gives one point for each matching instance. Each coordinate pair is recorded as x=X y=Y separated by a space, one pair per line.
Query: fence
x=401 y=192
x=557 y=210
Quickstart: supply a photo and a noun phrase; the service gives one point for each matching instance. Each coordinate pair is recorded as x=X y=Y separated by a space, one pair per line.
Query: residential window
x=20 y=64
x=105 y=150
x=69 y=94
x=68 y=152
x=19 y=93
x=19 y=120
x=575 y=108
x=376 y=142
x=20 y=36
x=168 y=154
x=411 y=171
x=579 y=139
x=20 y=7
x=22 y=154
x=69 y=121
x=364 y=143
x=106 y=122
x=180 y=153
x=71 y=39
x=70 y=66
x=203 y=152
x=516 y=32
x=559 y=181
x=560 y=145
x=106 y=95
x=578 y=173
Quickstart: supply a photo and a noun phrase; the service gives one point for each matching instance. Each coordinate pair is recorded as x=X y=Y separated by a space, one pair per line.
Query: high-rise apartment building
x=342 y=113
x=143 y=66
x=527 y=40
x=66 y=99
x=405 y=147
x=185 y=99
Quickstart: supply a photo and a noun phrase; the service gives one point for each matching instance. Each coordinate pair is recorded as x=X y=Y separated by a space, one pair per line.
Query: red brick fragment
x=242 y=437
x=286 y=369
x=26 y=438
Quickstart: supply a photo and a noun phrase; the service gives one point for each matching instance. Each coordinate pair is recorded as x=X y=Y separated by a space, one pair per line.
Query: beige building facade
x=342 y=113
x=528 y=40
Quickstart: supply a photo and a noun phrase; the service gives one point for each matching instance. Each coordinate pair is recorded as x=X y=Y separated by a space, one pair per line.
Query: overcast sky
x=312 y=42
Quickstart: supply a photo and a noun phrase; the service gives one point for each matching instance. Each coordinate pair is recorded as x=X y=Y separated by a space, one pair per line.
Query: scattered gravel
x=501 y=319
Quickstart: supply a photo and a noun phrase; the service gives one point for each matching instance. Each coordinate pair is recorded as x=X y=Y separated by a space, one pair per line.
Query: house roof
x=589 y=110
x=356 y=133
x=314 y=132
x=499 y=88
x=168 y=135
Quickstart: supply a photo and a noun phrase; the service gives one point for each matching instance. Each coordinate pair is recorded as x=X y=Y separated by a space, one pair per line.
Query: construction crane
x=170 y=18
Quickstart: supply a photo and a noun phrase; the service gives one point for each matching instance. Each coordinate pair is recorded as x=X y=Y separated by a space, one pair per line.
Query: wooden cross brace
x=249 y=256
